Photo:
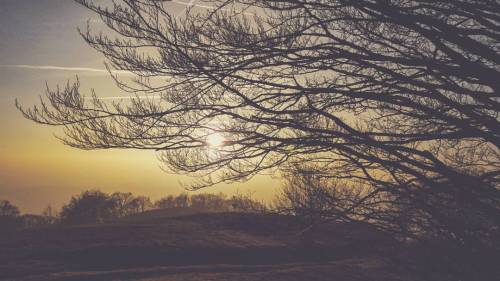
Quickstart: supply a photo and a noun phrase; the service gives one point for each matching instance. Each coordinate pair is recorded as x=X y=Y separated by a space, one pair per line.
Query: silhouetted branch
x=401 y=96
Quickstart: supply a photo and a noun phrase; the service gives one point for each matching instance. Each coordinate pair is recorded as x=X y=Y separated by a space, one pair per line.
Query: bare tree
x=400 y=96
x=208 y=201
x=141 y=204
x=9 y=216
x=7 y=209
x=165 y=202
x=311 y=193
x=124 y=203
x=50 y=214
x=180 y=201
x=246 y=203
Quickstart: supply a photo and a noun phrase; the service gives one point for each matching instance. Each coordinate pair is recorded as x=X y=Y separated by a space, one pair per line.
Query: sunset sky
x=39 y=43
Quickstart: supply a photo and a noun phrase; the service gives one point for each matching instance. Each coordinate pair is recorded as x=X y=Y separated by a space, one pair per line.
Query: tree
x=399 y=96
x=165 y=202
x=50 y=214
x=91 y=206
x=9 y=216
x=128 y=204
x=309 y=193
x=7 y=209
x=182 y=201
x=123 y=203
x=35 y=221
x=208 y=201
x=141 y=204
x=245 y=203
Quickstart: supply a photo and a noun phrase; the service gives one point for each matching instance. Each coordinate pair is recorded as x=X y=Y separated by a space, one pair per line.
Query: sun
x=215 y=140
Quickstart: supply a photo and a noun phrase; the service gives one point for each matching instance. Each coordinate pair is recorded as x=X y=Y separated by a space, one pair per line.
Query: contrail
x=193 y=4
x=126 y=97
x=83 y=69
x=65 y=68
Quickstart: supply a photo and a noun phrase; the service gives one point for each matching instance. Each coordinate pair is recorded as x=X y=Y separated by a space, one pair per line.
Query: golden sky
x=38 y=44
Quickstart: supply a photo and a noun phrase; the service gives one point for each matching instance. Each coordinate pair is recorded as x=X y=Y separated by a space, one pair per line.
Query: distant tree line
x=11 y=218
x=94 y=206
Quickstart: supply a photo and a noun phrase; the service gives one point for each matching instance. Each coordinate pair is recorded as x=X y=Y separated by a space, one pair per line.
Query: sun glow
x=215 y=140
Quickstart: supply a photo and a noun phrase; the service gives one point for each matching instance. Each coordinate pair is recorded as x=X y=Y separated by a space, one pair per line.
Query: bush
x=90 y=206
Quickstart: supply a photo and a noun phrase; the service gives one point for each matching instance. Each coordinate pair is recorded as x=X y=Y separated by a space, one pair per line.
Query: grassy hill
x=174 y=245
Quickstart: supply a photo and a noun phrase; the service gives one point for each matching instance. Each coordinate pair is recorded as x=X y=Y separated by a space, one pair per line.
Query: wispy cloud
x=64 y=68
x=190 y=4
x=83 y=69
x=126 y=97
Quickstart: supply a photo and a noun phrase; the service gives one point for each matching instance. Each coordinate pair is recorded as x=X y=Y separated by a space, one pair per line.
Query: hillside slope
x=216 y=246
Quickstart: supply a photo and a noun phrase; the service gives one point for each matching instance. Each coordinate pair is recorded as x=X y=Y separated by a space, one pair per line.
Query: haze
x=39 y=43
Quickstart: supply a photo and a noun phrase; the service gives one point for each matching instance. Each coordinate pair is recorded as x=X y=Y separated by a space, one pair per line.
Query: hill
x=210 y=246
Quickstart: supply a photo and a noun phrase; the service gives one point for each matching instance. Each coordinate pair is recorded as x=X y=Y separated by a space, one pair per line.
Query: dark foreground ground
x=204 y=247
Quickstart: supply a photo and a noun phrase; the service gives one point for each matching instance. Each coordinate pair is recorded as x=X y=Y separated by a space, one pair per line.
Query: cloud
x=83 y=69
x=65 y=68
x=192 y=3
x=126 y=97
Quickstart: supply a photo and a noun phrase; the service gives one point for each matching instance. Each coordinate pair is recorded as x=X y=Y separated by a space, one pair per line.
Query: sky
x=39 y=45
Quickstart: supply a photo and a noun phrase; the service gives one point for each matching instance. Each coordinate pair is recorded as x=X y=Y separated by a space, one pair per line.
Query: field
x=218 y=246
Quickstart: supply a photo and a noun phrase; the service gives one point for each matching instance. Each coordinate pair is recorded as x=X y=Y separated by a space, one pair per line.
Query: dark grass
x=218 y=245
